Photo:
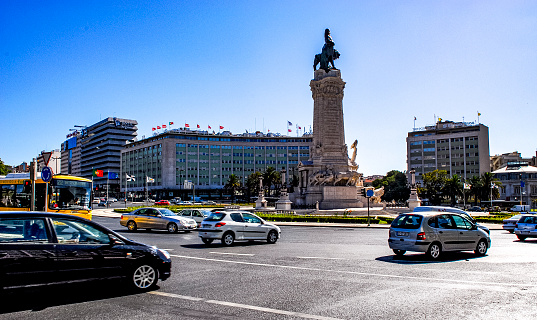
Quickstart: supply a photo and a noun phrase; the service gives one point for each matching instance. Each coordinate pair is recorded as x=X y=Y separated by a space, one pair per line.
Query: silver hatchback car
x=157 y=218
x=435 y=232
x=526 y=227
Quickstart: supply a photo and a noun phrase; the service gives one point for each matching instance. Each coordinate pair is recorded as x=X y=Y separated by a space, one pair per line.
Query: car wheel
x=272 y=237
x=131 y=225
x=435 y=250
x=481 y=248
x=399 y=252
x=521 y=238
x=172 y=227
x=144 y=277
x=228 y=238
x=207 y=241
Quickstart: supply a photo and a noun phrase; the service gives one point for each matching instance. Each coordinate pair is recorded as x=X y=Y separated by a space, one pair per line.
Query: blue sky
x=246 y=65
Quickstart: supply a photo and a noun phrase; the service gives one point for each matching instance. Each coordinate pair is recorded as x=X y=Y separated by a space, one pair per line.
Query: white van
x=520 y=208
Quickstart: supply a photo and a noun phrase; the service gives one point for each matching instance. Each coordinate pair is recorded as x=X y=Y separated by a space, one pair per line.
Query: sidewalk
x=109 y=213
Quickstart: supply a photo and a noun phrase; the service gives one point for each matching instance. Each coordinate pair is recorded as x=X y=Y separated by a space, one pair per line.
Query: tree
x=270 y=177
x=488 y=182
x=233 y=183
x=395 y=185
x=252 y=183
x=476 y=188
x=433 y=186
x=453 y=188
x=3 y=168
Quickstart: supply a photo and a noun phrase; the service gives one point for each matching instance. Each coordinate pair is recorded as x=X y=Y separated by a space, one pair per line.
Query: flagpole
x=107 y=197
x=126 y=175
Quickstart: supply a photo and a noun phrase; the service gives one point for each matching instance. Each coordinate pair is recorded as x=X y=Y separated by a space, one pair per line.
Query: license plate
x=402 y=234
x=206 y=225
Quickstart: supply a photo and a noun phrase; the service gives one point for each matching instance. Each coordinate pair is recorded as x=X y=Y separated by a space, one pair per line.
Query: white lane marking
x=167 y=249
x=243 y=306
x=234 y=254
x=322 y=258
x=508 y=284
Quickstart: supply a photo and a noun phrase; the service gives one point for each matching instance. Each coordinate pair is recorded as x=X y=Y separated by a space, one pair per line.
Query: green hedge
x=325 y=219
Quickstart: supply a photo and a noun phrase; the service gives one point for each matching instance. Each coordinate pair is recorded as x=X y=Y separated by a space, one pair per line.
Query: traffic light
x=363 y=192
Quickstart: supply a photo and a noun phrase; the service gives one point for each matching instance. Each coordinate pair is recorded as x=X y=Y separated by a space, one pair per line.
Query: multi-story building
x=501 y=160
x=206 y=159
x=460 y=148
x=518 y=183
x=98 y=147
x=54 y=161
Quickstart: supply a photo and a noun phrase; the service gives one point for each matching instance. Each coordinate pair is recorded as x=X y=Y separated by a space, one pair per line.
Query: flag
x=439 y=119
x=171 y=123
x=154 y=129
x=289 y=123
x=149 y=180
x=130 y=178
x=467 y=186
x=478 y=114
x=198 y=126
x=299 y=128
x=187 y=125
x=221 y=127
x=209 y=127
x=163 y=126
x=158 y=127
x=113 y=176
x=414 y=118
x=289 y=130
x=98 y=173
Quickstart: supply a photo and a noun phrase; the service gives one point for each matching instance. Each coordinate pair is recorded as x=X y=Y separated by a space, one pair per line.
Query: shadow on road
x=37 y=299
x=420 y=258
x=218 y=244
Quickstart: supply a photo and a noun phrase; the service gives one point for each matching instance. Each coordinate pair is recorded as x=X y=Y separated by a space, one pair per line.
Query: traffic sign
x=369 y=193
x=46 y=174
x=46 y=157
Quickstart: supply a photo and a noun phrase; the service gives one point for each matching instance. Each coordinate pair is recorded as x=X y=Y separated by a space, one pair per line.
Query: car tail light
x=421 y=236
x=220 y=224
x=516 y=225
x=121 y=217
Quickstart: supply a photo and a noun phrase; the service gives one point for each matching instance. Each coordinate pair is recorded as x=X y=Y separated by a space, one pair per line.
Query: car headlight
x=165 y=253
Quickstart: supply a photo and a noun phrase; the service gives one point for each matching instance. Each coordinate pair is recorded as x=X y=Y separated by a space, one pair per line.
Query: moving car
x=162 y=203
x=39 y=249
x=520 y=208
x=475 y=209
x=197 y=214
x=436 y=232
x=525 y=227
x=157 y=218
x=509 y=224
x=454 y=210
x=229 y=226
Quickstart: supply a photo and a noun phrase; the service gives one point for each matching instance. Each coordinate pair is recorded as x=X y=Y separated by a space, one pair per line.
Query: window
x=462 y=223
x=78 y=232
x=409 y=221
x=236 y=217
x=23 y=230
x=445 y=222
x=250 y=218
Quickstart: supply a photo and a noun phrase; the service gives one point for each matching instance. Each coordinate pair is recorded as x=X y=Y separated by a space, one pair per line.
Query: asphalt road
x=311 y=273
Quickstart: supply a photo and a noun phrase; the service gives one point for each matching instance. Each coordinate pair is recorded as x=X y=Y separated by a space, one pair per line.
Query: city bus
x=66 y=194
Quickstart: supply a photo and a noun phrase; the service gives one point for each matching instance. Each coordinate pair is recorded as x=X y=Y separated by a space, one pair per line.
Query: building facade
x=54 y=162
x=98 y=147
x=518 y=183
x=460 y=148
x=501 y=160
x=206 y=159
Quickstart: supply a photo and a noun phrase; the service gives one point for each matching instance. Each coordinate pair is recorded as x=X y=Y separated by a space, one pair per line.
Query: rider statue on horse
x=328 y=55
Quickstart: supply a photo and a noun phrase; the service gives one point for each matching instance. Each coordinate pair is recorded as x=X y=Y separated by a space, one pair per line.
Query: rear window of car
x=215 y=216
x=527 y=220
x=407 y=221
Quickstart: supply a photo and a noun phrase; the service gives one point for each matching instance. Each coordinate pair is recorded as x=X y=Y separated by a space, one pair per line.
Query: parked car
x=520 y=208
x=112 y=200
x=39 y=249
x=475 y=209
x=525 y=227
x=185 y=203
x=196 y=214
x=229 y=226
x=157 y=218
x=436 y=232
x=162 y=203
x=509 y=224
x=454 y=210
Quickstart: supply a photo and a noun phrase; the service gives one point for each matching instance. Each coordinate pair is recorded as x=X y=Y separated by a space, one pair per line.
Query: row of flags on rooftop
x=187 y=125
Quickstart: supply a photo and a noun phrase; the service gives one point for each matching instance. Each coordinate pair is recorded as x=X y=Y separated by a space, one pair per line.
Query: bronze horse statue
x=328 y=55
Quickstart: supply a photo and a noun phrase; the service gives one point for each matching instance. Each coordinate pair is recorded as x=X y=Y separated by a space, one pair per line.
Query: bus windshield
x=70 y=194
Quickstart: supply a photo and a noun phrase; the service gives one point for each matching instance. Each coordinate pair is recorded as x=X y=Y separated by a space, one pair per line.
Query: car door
x=27 y=254
x=238 y=225
x=468 y=236
x=155 y=219
x=447 y=232
x=85 y=251
x=253 y=227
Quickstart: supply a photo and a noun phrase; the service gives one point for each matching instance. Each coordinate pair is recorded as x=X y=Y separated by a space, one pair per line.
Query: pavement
x=109 y=213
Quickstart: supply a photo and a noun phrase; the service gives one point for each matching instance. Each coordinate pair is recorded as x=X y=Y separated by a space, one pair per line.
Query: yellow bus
x=66 y=194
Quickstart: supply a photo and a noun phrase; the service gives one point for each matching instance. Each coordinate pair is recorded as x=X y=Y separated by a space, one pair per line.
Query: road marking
x=234 y=254
x=243 y=306
x=322 y=258
x=508 y=284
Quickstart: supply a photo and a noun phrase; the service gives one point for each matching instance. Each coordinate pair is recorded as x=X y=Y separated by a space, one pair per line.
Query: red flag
x=164 y=126
x=299 y=128
x=171 y=123
x=209 y=127
x=221 y=127
x=198 y=126
x=187 y=125
x=154 y=129
x=98 y=173
x=289 y=130
x=158 y=127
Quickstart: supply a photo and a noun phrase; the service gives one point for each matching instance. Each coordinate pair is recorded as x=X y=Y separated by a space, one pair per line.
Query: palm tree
x=476 y=188
x=270 y=177
x=489 y=187
x=233 y=183
x=252 y=183
x=453 y=188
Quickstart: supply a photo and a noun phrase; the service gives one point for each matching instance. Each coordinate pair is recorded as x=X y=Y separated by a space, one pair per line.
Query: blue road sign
x=369 y=193
x=46 y=174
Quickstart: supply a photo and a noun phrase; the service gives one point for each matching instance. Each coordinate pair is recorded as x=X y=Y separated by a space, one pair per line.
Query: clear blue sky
x=246 y=65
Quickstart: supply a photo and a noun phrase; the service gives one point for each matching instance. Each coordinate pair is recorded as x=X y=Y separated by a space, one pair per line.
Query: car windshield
x=215 y=216
x=166 y=212
x=407 y=221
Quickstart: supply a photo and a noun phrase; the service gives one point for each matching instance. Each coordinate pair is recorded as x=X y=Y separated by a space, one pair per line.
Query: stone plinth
x=413 y=201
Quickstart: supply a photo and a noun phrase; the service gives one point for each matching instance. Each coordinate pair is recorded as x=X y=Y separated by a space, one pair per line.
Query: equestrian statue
x=328 y=55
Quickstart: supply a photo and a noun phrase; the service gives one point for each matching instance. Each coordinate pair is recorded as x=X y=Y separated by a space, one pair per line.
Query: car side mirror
x=115 y=240
x=474 y=227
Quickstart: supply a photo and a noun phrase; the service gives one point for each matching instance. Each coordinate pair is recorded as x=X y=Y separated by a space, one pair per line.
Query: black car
x=38 y=248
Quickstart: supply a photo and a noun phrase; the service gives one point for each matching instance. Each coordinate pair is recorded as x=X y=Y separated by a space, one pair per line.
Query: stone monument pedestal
x=413 y=201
